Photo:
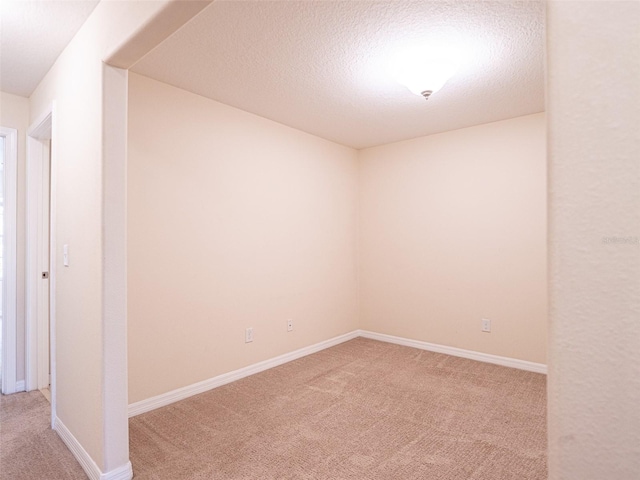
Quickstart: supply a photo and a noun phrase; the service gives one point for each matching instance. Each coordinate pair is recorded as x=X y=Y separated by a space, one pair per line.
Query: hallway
x=29 y=449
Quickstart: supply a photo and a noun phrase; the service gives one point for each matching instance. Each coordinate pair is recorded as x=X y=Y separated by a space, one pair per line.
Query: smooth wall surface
x=453 y=230
x=75 y=84
x=14 y=113
x=594 y=245
x=234 y=221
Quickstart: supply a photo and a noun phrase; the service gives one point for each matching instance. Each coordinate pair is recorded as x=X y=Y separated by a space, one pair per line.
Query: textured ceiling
x=320 y=66
x=32 y=36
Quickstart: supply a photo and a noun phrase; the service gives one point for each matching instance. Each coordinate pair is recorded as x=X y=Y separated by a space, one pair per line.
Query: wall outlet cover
x=486 y=325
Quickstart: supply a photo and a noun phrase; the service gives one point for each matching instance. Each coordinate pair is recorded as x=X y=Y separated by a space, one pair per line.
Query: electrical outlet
x=289 y=325
x=486 y=325
x=248 y=335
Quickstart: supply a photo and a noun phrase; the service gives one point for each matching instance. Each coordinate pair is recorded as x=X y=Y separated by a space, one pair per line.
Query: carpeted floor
x=29 y=449
x=361 y=410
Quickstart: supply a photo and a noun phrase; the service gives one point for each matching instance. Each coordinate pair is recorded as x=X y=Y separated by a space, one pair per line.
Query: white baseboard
x=85 y=460
x=181 y=393
x=125 y=472
x=457 y=352
x=20 y=386
x=185 y=392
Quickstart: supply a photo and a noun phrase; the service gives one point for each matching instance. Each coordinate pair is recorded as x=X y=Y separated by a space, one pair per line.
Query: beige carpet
x=29 y=449
x=361 y=410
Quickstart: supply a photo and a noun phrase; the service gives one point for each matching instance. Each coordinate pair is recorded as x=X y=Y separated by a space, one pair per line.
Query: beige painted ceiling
x=33 y=33
x=321 y=66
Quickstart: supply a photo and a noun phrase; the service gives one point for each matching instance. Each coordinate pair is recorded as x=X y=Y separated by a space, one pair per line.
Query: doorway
x=40 y=271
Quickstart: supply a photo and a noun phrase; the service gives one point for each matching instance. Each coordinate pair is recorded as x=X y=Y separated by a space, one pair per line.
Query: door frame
x=40 y=324
x=9 y=279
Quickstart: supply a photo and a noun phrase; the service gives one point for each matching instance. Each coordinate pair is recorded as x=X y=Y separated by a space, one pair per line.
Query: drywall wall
x=89 y=394
x=453 y=230
x=14 y=113
x=234 y=221
x=74 y=82
x=594 y=225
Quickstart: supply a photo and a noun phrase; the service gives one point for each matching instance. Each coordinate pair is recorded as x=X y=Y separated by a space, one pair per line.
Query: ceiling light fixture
x=424 y=72
x=426 y=79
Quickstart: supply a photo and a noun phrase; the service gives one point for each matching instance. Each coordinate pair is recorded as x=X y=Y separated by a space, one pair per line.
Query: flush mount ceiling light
x=426 y=78
x=424 y=71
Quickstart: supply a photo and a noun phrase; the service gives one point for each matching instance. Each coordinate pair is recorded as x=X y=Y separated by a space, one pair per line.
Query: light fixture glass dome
x=426 y=78
x=424 y=72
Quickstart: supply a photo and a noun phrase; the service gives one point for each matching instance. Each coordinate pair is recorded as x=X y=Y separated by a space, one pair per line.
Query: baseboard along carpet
x=29 y=449
x=361 y=410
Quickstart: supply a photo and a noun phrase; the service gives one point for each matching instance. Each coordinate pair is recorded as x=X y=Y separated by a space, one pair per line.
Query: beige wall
x=14 y=113
x=76 y=84
x=453 y=230
x=594 y=226
x=235 y=221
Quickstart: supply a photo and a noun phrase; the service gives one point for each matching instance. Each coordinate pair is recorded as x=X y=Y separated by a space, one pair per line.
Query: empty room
x=238 y=222
x=321 y=239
